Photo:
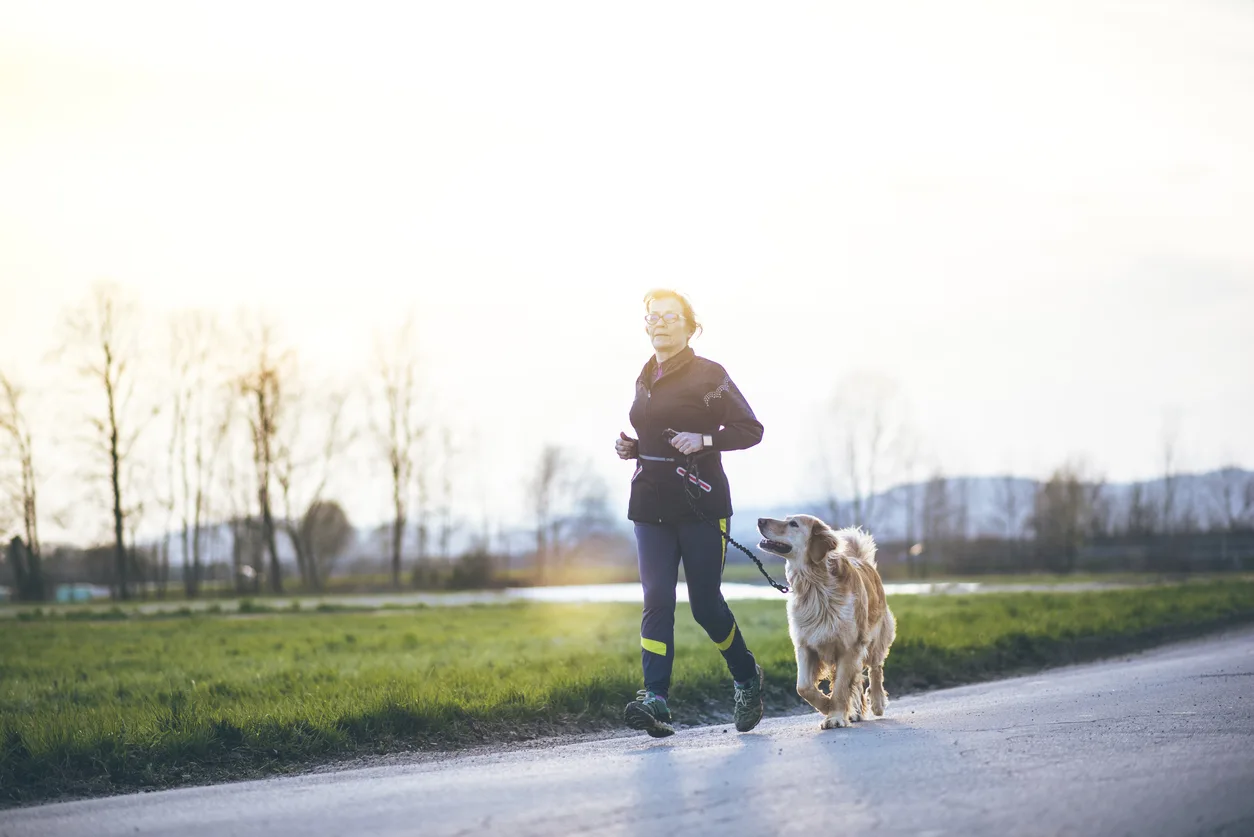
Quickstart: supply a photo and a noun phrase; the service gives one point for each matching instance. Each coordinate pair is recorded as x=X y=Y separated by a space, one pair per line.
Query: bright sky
x=1036 y=217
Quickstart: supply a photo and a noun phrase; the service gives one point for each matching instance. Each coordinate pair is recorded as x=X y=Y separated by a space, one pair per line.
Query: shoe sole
x=637 y=717
x=761 y=703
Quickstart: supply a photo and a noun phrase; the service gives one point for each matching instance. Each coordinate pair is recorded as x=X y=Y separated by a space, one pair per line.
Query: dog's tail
x=858 y=545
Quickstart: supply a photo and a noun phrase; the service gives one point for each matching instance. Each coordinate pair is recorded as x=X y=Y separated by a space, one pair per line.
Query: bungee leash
x=690 y=472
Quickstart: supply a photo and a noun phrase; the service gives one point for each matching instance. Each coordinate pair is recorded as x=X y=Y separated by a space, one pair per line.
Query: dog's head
x=798 y=538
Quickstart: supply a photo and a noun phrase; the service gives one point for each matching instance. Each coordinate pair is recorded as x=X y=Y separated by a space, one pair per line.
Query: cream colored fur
x=837 y=615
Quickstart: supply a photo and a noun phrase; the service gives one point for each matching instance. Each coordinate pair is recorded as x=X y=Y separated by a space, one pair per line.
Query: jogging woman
x=678 y=391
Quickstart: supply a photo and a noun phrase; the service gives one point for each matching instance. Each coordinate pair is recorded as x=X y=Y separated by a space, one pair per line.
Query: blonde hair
x=685 y=307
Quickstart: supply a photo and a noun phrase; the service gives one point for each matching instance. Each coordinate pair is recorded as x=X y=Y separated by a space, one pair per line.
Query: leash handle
x=693 y=476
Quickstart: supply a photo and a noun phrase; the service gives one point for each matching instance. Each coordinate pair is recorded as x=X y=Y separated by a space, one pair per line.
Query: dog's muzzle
x=778 y=547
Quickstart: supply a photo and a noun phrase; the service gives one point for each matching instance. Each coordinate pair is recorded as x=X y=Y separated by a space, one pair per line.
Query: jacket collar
x=669 y=367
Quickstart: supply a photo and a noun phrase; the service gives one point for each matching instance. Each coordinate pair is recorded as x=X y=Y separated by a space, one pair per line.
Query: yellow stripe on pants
x=653 y=645
x=725 y=644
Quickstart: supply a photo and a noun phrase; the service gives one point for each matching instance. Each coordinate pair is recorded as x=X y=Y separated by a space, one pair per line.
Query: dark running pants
x=660 y=547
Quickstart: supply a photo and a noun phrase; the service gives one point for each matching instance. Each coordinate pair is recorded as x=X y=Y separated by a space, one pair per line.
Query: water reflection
x=574 y=594
x=731 y=591
x=588 y=593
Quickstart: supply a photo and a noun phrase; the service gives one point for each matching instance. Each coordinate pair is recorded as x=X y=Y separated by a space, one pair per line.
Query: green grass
x=111 y=704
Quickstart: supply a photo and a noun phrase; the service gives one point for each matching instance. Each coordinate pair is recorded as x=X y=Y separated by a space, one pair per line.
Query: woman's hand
x=687 y=443
x=625 y=446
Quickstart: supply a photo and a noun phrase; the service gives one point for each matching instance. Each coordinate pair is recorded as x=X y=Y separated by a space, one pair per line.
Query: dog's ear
x=822 y=541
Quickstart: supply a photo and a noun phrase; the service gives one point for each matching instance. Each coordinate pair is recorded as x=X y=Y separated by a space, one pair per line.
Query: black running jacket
x=692 y=395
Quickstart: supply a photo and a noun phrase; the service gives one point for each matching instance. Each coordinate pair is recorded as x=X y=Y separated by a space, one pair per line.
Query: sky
x=1031 y=221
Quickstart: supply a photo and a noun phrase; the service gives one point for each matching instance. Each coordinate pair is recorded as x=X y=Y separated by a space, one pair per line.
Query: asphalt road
x=1156 y=744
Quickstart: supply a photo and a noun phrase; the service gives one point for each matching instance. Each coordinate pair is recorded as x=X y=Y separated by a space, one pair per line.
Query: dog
x=838 y=617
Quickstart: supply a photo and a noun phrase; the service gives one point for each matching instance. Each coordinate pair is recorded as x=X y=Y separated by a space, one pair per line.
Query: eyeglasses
x=654 y=319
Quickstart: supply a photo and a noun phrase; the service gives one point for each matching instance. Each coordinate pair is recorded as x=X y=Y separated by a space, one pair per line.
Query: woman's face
x=667 y=337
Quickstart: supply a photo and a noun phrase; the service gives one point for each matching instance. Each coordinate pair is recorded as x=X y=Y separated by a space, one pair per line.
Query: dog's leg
x=807 y=680
x=848 y=672
x=857 y=695
x=879 y=697
x=878 y=653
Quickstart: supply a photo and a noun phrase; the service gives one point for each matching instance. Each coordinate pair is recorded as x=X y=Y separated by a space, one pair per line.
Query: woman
x=679 y=391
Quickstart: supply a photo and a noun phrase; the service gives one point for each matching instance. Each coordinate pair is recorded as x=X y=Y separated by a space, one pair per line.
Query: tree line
x=215 y=440
x=867 y=442
x=242 y=441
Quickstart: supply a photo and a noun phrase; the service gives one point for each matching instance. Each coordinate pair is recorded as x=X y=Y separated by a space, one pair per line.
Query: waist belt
x=657 y=458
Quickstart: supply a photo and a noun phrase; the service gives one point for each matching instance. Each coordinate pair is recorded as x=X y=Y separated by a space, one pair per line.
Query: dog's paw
x=833 y=722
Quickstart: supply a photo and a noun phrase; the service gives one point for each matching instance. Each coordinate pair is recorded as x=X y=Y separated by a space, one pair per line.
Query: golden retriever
x=837 y=614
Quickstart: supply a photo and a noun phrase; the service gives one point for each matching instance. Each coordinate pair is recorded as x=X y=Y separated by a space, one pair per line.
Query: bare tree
x=444 y=511
x=590 y=513
x=1170 y=455
x=15 y=440
x=937 y=520
x=960 y=508
x=106 y=338
x=1188 y=518
x=1232 y=499
x=141 y=562
x=937 y=509
x=203 y=509
x=484 y=538
x=864 y=424
x=422 y=505
x=907 y=495
x=262 y=389
x=545 y=489
x=307 y=475
x=198 y=436
x=1010 y=508
x=400 y=430
x=1066 y=512
x=245 y=571
x=1142 y=514
x=169 y=500
x=1101 y=517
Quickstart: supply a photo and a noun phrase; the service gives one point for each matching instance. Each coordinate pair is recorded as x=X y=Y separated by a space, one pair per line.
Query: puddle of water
x=593 y=593
x=574 y=594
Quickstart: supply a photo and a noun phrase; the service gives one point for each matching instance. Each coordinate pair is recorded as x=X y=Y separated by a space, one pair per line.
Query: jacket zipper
x=648 y=397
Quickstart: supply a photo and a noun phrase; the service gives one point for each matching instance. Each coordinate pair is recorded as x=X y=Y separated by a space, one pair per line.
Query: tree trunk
x=258 y=558
x=398 y=532
x=541 y=549
x=163 y=572
x=193 y=585
x=315 y=574
x=119 y=540
x=306 y=560
x=237 y=557
x=17 y=560
x=193 y=588
x=267 y=526
x=187 y=545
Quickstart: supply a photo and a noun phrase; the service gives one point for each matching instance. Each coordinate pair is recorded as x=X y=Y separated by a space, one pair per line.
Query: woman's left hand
x=687 y=443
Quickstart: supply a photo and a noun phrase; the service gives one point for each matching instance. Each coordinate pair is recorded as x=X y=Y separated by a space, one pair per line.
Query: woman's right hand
x=625 y=446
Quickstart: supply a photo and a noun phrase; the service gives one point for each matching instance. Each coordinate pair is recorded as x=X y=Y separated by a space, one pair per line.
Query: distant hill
x=1002 y=506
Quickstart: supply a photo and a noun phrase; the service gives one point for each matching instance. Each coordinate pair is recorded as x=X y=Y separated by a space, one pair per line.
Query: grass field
x=93 y=706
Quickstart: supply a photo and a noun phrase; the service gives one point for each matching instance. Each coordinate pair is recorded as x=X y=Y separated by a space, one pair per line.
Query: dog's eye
x=792 y=523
